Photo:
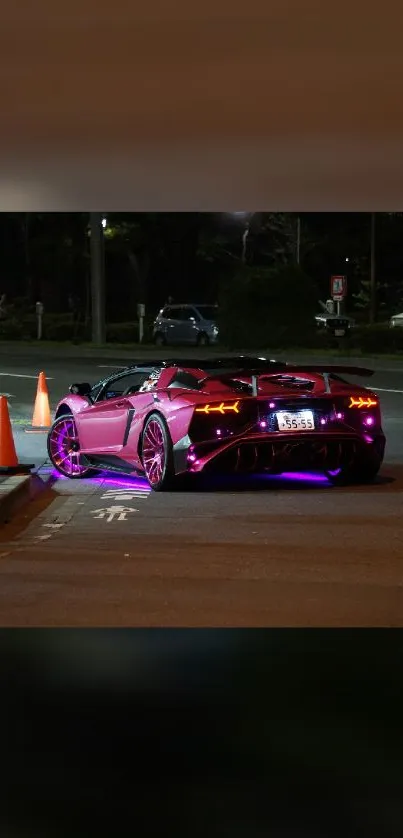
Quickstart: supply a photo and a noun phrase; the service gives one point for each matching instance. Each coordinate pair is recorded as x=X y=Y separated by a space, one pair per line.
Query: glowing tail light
x=219 y=408
x=361 y=402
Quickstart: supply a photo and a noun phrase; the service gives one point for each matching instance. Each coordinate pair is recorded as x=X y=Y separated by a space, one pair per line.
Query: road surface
x=271 y=552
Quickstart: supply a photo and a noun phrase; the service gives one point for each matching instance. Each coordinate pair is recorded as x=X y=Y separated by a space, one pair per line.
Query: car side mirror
x=80 y=389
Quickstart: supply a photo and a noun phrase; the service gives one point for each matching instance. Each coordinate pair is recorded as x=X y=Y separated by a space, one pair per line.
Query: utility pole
x=298 y=239
x=245 y=243
x=372 y=283
x=97 y=278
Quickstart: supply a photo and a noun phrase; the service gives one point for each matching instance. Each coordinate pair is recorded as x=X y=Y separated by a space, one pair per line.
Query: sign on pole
x=338 y=287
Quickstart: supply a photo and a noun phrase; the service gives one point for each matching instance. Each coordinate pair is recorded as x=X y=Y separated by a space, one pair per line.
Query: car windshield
x=208 y=312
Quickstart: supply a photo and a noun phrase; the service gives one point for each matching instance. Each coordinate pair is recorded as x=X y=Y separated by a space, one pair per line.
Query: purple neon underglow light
x=303 y=476
x=369 y=420
x=121 y=482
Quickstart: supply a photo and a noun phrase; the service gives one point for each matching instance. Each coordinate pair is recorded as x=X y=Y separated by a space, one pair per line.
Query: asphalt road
x=271 y=552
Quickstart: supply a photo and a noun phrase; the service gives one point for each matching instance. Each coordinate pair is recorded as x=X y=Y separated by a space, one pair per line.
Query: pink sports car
x=166 y=419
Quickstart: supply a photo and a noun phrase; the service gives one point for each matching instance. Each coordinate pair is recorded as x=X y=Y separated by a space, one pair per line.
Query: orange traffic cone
x=8 y=456
x=41 y=420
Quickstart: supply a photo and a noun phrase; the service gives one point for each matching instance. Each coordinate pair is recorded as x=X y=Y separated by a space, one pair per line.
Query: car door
x=172 y=325
x=102 y=427
x=187 y=330
x=165 y=322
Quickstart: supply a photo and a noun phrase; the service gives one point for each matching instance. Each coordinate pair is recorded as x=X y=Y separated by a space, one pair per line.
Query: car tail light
x=361 y=402
x=222 y=408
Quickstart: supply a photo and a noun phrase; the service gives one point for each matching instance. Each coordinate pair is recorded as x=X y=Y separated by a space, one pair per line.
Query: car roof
x=224 y=362
x=190 y=305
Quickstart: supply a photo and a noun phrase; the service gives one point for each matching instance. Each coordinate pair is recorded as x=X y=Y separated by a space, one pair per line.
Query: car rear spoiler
x=330 y=369
x=326 y=370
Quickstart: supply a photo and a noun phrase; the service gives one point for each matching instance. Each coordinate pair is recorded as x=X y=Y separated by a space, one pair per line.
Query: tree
x=270 y=238
x=161 y=250
x=268 y=307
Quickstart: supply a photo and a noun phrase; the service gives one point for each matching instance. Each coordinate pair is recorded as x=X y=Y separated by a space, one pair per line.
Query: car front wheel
x=64 y=449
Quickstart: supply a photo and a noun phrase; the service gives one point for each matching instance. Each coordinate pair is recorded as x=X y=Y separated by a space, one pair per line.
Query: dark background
x=192 y=256
x=221 y=733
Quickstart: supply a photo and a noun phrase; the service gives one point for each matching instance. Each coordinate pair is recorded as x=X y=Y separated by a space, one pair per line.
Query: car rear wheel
x=157 y=454
x=64 y=449
x=159 y=339
x=362 y=474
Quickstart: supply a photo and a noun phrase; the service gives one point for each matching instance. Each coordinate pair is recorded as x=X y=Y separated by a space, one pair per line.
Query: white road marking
x=125 y=494
x=20 y=375
x=53 y=526
x=43 y=537
x=112 y=512
x=382 y=390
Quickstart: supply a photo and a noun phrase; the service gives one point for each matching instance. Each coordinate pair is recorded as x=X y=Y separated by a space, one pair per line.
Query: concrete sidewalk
x=16 y=490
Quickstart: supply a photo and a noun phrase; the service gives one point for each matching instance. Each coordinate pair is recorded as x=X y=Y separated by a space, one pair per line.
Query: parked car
x=186 y=323
x=339 y=324
x=396 y=320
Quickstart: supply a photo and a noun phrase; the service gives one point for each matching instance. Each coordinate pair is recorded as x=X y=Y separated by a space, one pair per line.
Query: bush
x=63 y=327
x=128 y=332
x=122 y=333
x=11 y=329
x=377 y=339
x=263 y=307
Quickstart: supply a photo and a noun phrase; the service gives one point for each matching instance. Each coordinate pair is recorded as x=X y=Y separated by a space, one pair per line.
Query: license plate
x=302 y=421
x=339 y=333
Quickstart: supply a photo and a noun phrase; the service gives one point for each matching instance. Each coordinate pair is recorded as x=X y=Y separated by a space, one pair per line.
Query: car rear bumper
x=257 y=453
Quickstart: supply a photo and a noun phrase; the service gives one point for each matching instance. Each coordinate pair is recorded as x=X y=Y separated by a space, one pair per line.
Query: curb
x=17 y=491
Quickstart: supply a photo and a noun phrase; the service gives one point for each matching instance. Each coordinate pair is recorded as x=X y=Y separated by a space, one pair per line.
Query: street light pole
x=372 y=284
x=97 y=278
x=298 y=239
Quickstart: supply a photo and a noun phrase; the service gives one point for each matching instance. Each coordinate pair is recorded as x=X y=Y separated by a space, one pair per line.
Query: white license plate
x=339 y=333
x=302 y=421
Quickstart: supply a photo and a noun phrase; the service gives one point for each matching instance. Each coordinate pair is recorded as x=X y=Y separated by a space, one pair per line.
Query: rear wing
x=327 y=371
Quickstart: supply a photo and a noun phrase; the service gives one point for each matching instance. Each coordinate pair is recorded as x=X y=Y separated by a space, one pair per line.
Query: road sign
x=338 y=287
